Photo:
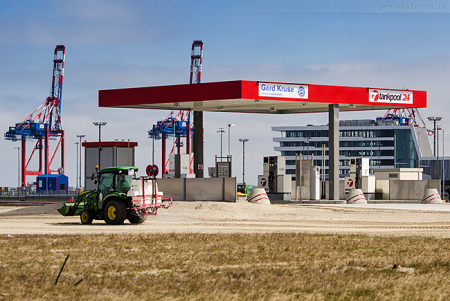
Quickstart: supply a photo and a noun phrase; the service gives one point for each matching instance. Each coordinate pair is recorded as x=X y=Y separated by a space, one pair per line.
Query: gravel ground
x=243 y=217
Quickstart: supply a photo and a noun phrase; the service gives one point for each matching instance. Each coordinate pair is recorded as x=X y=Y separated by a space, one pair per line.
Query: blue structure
x=28 y=129
x=395 y=119
x=170 y=127
x=52 y=182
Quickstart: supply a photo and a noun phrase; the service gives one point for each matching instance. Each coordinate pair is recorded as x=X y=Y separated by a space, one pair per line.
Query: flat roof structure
x=109 y=144
x=261 y=97
x=264 y=97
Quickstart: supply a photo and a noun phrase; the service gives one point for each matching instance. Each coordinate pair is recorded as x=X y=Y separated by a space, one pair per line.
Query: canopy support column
x=333 y=151
x=198 y=144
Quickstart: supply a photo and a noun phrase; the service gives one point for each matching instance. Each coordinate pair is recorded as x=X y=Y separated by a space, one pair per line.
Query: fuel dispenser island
x=360 y=177
x=275 y=180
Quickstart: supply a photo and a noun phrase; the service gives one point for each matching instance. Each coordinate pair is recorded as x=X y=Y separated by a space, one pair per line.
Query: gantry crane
x=173 y=126
x=406 y=116
x=179 y=125
x=43 y=124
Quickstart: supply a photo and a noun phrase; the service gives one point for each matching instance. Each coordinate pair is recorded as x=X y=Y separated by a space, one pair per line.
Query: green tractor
x=119 y=196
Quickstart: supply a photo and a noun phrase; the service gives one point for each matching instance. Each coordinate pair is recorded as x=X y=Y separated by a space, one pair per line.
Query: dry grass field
x=278 y=266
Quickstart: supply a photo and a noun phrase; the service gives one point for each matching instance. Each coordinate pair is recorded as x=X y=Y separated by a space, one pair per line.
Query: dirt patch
x=31 y=210
x=240 y=217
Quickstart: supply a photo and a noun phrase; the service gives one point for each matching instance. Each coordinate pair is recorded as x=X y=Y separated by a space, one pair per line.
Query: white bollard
x=356 y=196
x=432 y=197
x=258 y=196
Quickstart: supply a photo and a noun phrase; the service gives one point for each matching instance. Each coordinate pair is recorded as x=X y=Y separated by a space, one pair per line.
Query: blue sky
x=115 y=44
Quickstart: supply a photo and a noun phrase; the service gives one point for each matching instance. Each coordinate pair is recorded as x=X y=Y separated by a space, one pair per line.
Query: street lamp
x=229 y=137
x=99 y=124
x=79 y=174
x=18 y=166
x=440 y=174
x=443 y=162
x=221 y=131
x=76 y=143
x=307 y=144
x=243 y=158
x=434 y=120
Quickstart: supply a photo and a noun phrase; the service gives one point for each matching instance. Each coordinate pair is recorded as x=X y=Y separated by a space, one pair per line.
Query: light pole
x=307 y=144
x=18 y=166
x=434 y=120
x=76 y=143
x=438 y=128
x=243 y=158
x=18 y=173
x=81 y=155
x=443 y=162
x=99 y=124
x=229 y=137
x=440 y=175
x=221 y=131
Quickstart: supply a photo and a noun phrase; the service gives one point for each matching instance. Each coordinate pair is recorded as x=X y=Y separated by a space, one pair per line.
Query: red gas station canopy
x=261 y=97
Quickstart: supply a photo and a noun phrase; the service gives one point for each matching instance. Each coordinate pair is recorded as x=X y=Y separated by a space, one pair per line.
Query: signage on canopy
x=390 y=96
x=283 y=90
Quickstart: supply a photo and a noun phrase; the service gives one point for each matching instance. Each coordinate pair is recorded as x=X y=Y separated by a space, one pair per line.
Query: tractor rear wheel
x=115 y=213
x=136 y=219
x=86 y=216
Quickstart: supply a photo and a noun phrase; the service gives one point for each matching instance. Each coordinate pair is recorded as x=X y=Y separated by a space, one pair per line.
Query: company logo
x=301 y=92
x=350 y=183
x=390 y=96
x=375 y=95
x=283 y=90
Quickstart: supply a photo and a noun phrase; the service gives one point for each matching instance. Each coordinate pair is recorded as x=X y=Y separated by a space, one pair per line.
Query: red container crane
x=43 y=124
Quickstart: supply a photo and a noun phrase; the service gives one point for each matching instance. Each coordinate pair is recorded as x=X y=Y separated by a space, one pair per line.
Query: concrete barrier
x=356 y=196
x=341 y=190
x=410 y=190
x=199 y=189
x=432 y=197
x=258 y=196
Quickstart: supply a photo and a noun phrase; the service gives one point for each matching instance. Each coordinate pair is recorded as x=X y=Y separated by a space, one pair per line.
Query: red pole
x=46 y=142
x=40 y=157
x=163 y=165
x=62 y=152
x=188 y=142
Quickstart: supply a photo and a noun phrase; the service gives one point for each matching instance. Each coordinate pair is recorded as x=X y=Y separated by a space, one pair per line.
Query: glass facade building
x=387 y=143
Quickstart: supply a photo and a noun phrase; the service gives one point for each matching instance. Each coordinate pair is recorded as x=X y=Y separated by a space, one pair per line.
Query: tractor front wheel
x=86 y=216
x=115 y=213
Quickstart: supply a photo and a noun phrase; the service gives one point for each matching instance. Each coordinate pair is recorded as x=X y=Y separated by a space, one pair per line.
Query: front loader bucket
x=70 y=209
x=65 y=209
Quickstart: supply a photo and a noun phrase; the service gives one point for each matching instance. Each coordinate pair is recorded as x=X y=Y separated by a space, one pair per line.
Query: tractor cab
x=114 y=182
x=116 y=179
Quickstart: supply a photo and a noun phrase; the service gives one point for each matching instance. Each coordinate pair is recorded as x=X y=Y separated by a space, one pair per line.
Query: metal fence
x=33 y=194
